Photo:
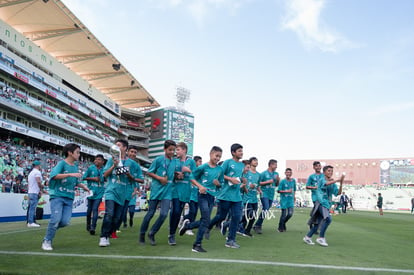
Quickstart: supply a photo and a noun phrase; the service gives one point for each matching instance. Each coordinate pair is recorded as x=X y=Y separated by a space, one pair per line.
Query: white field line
x=353 y=268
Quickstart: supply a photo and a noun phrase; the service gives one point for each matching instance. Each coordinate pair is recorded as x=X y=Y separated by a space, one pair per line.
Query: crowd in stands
x=21 y=99
x=16 y=163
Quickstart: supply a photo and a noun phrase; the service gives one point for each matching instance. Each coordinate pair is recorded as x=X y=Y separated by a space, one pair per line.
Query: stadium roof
x=55 y=29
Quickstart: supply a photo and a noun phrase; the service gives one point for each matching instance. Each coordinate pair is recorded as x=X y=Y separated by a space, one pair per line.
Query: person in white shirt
x=35 y=187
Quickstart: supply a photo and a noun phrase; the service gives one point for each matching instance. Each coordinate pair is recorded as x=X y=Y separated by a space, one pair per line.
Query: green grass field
x=359 y=242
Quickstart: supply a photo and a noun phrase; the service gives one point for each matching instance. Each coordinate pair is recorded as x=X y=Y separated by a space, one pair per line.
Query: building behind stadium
x=396 y=171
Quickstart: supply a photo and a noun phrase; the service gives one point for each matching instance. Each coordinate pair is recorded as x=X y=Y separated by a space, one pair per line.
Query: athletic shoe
x=242 y=234
x=322 y=241
x=47 y=245
x=232 y=244
x=248 y=234
x=118 y=231
x=198 y=248
x=151 y=237
x=183 y=227
x=207 y=234
x=33 y=225
x=142 y=238
x=171 y=240
x=308 y=240
x=103 y=242
x=280 y=230
x=92 y=232
x=223 y=228
x=257 y=229
x=189 y=232
x=114 y=236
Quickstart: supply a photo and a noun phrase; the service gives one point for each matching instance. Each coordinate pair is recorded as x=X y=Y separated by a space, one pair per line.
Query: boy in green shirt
x=286 y=189
x=117 y=189
x=181 y=190
x=64 y=177
x=95 y=180
x=162 y=172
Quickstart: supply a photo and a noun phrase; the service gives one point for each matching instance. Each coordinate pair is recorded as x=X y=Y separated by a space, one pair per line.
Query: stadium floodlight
x=116 y=67
x=182 y=96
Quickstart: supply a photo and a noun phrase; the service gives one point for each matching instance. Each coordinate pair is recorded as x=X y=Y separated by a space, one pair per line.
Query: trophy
x=116 y=155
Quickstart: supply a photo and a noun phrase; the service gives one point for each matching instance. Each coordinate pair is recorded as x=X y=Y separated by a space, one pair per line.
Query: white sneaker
x=308 y=240
x=322 y=241
x=189 y=232
x=103 y=242
x=47 y=245
x=33 y=225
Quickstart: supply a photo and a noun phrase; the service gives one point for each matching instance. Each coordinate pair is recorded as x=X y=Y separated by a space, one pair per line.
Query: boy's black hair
x=123 y=141
x=316 y=163
x=197 y=158
x=70 y=147
x=133 y=147
x=169 y=143
x=288 y=169
x=326 y=168
x=271 y=162
x=246 y=162
x=235 y=147
x=216 y=149
x=99 y=156
x=252 y=159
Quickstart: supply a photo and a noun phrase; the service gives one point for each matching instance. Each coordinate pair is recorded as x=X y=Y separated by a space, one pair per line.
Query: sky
x=299 y=79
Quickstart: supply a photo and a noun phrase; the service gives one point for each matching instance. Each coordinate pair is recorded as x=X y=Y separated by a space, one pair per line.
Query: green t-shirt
x=251 y=195
x=268 y=190
x=326 y=193
x=162 y=167
x=63 y=187
x=287 y=199
x=205 y=175
x=118 y=186
x=229 y=191
x=313 y=180
x=98 y=188
x=181 y=189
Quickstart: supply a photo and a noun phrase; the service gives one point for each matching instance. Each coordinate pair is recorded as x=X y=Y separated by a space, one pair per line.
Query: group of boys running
x=232 y=185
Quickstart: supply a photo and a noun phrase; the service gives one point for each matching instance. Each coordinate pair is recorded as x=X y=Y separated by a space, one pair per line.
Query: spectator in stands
x=7 y=184
x=379 y=204
x=64 y=178
x=17 y=187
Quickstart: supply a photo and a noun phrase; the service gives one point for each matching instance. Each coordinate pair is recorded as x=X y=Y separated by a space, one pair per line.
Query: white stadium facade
x=59 y=84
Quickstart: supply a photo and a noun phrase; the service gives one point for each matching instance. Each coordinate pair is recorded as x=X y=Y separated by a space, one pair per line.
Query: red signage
x=21 y=77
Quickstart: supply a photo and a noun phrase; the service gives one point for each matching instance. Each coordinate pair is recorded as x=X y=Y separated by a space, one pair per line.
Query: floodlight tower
x=182 y=96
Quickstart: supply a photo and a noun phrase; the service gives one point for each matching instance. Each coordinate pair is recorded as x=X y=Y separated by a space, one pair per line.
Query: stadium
x=60 y=84
x=365 y=178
